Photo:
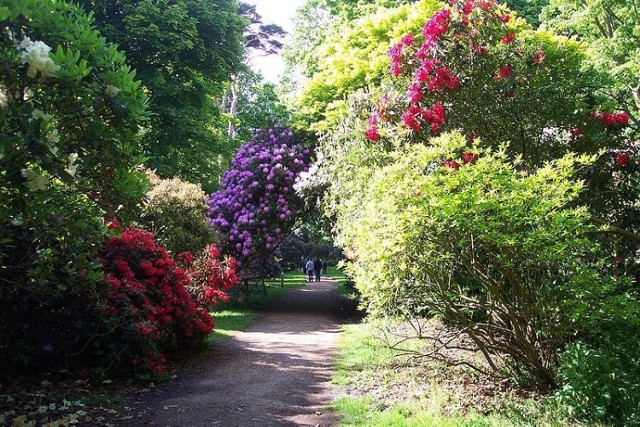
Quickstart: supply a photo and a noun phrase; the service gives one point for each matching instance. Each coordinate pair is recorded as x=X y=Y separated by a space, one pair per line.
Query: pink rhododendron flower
x=538 y=57
x=508 y=38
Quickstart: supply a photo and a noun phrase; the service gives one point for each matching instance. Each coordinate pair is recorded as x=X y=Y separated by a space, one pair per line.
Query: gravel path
x=276 y=373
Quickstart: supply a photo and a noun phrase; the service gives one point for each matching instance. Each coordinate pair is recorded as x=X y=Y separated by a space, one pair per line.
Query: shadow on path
x=276 y=373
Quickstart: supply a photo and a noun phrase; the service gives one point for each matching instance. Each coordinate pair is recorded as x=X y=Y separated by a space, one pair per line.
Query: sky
x=279 y=12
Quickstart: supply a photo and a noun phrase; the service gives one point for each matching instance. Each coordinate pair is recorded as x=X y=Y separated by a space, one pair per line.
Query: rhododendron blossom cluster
x=433 y=74
x=256 y=206
x=210 y=276
x=147 y=296
x=434 y=71
x=611 y=119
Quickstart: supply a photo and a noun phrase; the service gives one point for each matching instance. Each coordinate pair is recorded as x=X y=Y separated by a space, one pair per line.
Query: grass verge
x=378 y=388
x=231 y=317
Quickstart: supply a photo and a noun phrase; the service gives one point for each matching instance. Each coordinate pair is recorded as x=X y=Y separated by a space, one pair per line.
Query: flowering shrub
x=473 y=64
x=148 y=308
x=475 y=68
x=257 y=206
x=210 y=278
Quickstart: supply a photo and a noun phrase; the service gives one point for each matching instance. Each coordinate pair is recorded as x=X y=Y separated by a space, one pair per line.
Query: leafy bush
x=493 y=250
x=601 y=384
x=175 y=212
x=49 y=280
x=69 y=115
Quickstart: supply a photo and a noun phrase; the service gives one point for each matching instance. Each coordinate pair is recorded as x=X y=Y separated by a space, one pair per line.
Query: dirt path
x=276 y=373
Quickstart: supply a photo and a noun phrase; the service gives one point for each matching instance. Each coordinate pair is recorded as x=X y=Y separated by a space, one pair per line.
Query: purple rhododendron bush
x=257 y=206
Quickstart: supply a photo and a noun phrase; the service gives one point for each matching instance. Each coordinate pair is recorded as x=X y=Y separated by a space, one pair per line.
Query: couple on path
x=316 y=267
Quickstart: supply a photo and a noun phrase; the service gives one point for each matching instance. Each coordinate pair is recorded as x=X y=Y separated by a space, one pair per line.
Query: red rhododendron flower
x=407 y=40
x=621 y=119
x=452 y=164
x=372 y=134
x=421 y=75
x=596 y=115
x=487 y=4
x=505 y=72
x=469 y=157
x=504 y=18
x=480 y=50
x=414 y=93
x=396 y=69
x=395 y=52
x=508 y=38
x=468 y=7
x=437 y=25
x=538 y=57
x=576 y=131
x=623 y=159
x=608 y=119
x=410 y=121
x=186 y=258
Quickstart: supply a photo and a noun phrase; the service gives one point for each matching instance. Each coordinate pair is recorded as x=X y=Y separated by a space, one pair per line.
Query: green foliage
x=354 y=58
x=601 y=384
x=174 y=211
x=70 y=112
x=50 y=280
x=77 y=120
x=491 y=249
x=184 y=51
x=259 y=107
x=318 y=19
x=530 y=10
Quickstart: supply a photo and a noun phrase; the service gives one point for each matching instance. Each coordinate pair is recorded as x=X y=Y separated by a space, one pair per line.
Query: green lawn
x=232 y=317
x=381 y=389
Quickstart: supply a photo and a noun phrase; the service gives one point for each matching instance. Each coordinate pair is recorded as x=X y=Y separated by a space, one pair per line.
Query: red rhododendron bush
x=148 y=308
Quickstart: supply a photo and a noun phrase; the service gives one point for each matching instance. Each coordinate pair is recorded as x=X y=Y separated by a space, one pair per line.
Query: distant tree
x=259 y=40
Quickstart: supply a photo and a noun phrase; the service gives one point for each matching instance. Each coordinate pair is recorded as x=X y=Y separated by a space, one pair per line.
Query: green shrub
x=174 y=211
x=49 y=280
x=601 y=384
x=70 y=112
x=493 y=250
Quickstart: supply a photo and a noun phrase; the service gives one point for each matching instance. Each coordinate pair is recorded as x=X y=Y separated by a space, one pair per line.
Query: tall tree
x=184 y=51
x=260 y=39
x=611 y=29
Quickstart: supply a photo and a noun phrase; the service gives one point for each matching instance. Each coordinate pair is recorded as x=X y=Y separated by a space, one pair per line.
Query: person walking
x=310 y=267
x=317 y=267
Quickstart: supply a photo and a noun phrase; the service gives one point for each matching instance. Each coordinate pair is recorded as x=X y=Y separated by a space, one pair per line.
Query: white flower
x=39 y=114
x=112 y=91
x=36 y=54
x=34 y=181
x=53 y=136
x=72 y=167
